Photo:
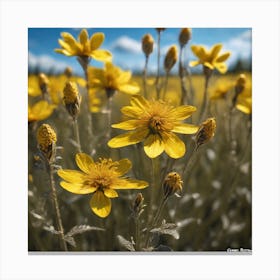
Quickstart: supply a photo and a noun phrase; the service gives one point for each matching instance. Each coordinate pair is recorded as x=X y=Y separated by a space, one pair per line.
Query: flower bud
x=170 y=58
x=147 y=44
x=240 y=83
x=205 y=132
x=185 y=36
x=46 y=139
x=138 y=203
x=68 y=72
x=72 y=99
x=172 y=184
x=43 y=84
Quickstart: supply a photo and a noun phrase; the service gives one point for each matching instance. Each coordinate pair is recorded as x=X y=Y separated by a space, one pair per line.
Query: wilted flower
x=210 y=59
x=170 y=58
x=101 y=178
x=206 y=132
x=111 y=79
x=84 y=47
x=155 y=123
x=172 y=184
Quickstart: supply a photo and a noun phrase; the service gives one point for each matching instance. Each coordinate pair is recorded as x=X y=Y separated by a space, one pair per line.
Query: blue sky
x=125 y=45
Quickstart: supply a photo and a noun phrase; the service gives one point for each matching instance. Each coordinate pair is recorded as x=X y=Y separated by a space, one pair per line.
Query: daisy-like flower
x=101 y=178
x=244 y=99
x=155 y=124
x=210 y=59
x=39 y=111
x=111 y=79
x=83 y=47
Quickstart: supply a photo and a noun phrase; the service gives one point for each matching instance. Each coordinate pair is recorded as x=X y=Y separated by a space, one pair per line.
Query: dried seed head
x=68 y=72
x=72 y=99
x=206 y=132
x=147 y=44
x=185 y=36
x=46 y=139
x=172 y=184
x=160 y=29
x=170 y=58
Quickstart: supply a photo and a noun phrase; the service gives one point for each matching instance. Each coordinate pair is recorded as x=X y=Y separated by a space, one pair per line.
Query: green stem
x=77 y=135
x=158 y=67
x=184 y=93
x=145 y=76
x=56 y=208
x=205 y=102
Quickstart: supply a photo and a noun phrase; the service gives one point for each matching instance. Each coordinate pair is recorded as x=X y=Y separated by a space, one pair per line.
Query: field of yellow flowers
x=118 y=162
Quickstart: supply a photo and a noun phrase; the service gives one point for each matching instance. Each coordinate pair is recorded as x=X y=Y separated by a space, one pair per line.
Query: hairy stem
x=145 y=76
x=77 y=135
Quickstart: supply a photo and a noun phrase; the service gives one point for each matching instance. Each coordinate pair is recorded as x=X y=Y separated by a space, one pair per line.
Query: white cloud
x=127 y=44
x=45 y=62
x=240 y=47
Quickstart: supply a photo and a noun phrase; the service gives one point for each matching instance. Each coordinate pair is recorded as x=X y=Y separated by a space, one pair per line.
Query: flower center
x=155 y=124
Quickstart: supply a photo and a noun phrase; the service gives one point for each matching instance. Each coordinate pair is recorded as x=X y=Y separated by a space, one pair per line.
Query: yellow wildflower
x=39 y=111
x=210 y=59
x=101 y=178
x=84 y=47
x=154 y=123
x=220 y=89
x=111 y=79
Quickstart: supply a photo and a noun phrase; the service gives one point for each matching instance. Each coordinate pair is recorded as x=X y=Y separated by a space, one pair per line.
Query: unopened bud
x=205 y=132
x=72 y=99
x=46 y=139
x=170 y=58
x=172 y=184
x=138 y=203
x=240 y=83
x=147 y=44
x=68 y=72
x=185 y=36
x=43 y=84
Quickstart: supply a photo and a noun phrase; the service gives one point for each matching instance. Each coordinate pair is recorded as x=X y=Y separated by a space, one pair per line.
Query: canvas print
x=140 y=140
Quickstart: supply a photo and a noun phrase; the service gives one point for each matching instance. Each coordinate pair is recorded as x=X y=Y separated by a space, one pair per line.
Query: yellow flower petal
x=63 y=52
x=72 y=176
x=194 y=63
x=100 y=204
x=221 y=67
x=77 y=188
x=84 y=162
x=129 y=138
x=83 y=37
x=223 y=57
x=124 y=77
x=127 y=125
x=122 y=184
x=215 y=50
x=139 y=101
x=182 y=112
x=209 y=65
x=129 y=89
x=153 y=146
x=101 y=55
x=185 y=128
x=65 y=45
x=173 y=145
x=110 y=193
x=123 y=167
x=96 y=40
x=131 y=111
